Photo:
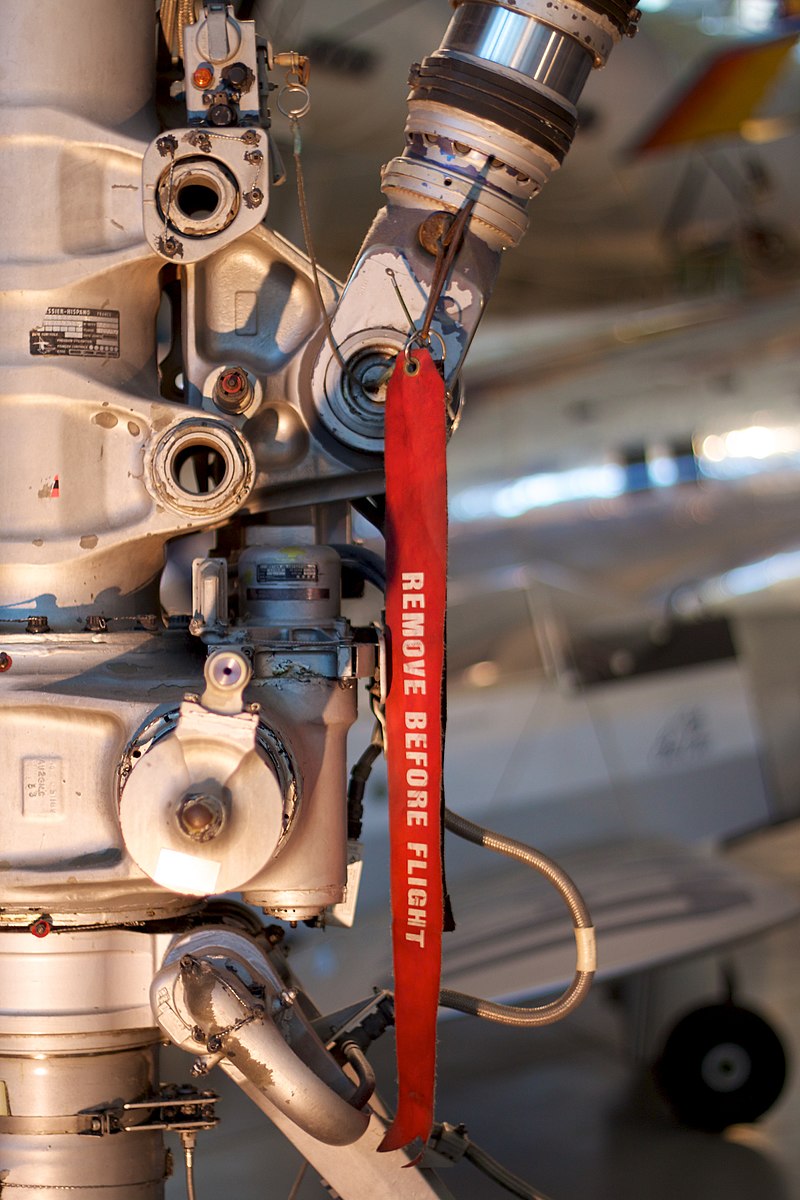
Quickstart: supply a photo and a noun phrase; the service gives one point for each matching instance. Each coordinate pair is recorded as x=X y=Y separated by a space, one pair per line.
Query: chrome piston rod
x=492 y=113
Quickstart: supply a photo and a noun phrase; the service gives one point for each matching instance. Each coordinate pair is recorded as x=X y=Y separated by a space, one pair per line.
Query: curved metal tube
x=250 y=1038
x=575 y=994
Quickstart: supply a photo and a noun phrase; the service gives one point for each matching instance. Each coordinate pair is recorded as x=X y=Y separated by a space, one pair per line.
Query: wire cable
x=309 y=241
x=295 y=1190
x=500 y=1174
x=189 y=1139
x=555 y=1010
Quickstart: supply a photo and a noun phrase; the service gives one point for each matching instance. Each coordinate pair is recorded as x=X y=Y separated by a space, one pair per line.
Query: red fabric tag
x=416 y=561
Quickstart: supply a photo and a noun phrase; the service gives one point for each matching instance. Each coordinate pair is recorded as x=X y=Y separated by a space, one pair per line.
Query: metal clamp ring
x=416 y=339
x=288 y=91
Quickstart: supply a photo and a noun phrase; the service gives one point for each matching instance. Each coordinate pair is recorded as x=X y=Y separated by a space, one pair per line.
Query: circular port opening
x=199 y=469
x=198 y=197
x=197 y=200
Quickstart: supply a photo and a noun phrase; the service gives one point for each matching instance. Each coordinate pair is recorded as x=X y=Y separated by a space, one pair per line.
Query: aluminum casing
x=69 y=706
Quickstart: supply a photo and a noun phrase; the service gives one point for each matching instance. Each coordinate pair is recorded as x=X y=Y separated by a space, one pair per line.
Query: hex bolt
x=239 y=76
x=42 y=927
x=167 y=145
x=37 y=625
x=201 y=815
x=232 y=390
x=95 y=623
x=170 y=247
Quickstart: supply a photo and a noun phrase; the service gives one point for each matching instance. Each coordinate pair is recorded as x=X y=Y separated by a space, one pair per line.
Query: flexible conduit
x=521 y=1015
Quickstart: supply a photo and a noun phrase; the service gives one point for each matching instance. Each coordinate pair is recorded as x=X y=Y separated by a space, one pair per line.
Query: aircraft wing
x=653 y=902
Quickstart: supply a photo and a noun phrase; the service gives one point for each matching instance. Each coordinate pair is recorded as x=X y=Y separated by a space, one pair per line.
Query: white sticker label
x=42 y=797
x=184 y=873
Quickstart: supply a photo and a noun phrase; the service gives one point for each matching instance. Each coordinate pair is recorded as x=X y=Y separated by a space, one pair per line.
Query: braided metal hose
x=522 y=1015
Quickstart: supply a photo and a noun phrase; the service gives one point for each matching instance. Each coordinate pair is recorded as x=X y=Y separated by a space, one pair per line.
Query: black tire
x=720 y=1066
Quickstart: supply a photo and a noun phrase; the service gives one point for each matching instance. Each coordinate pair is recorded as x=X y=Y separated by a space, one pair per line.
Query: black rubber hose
x=501 y=1175
x=363 y=1069
x=365 y=562
x=359 y=777
x=372 y=509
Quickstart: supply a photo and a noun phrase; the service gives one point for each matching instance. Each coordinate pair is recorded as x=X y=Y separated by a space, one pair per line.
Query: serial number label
x=287 y=572
x=77 y=332
x=41 y=788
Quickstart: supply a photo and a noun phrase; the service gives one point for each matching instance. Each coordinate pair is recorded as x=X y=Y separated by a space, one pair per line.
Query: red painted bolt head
x=232 y=390
x=233 y=382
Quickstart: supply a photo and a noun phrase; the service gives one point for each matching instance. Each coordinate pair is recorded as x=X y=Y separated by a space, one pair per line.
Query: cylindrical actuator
x=492 y=113
x=282 y=586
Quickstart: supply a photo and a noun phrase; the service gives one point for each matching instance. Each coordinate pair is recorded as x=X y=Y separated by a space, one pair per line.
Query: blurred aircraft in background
x=625 y=487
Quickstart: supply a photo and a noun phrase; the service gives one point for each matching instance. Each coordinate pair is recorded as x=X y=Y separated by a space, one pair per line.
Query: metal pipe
x=216 y=1000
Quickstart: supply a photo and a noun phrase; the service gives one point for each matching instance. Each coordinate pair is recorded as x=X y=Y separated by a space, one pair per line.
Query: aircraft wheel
x=721 y=1065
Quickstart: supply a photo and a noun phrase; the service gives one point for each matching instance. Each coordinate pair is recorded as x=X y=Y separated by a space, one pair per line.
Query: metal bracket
x=217 y=16
x=209 y=596
x=335 y=1025
x=447 y=1145
x=177 y=1107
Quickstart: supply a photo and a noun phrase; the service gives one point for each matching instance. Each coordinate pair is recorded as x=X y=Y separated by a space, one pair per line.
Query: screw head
x=5 y=661
x=42 y=927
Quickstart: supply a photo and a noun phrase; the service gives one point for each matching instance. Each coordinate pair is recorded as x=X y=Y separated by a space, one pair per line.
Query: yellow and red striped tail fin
x=723 y=98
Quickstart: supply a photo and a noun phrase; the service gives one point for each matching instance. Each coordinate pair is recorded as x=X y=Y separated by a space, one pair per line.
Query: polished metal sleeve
x=492 y=113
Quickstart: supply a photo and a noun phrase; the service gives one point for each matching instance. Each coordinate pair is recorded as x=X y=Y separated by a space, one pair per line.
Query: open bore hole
x=197 y=200
x=199 y=470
